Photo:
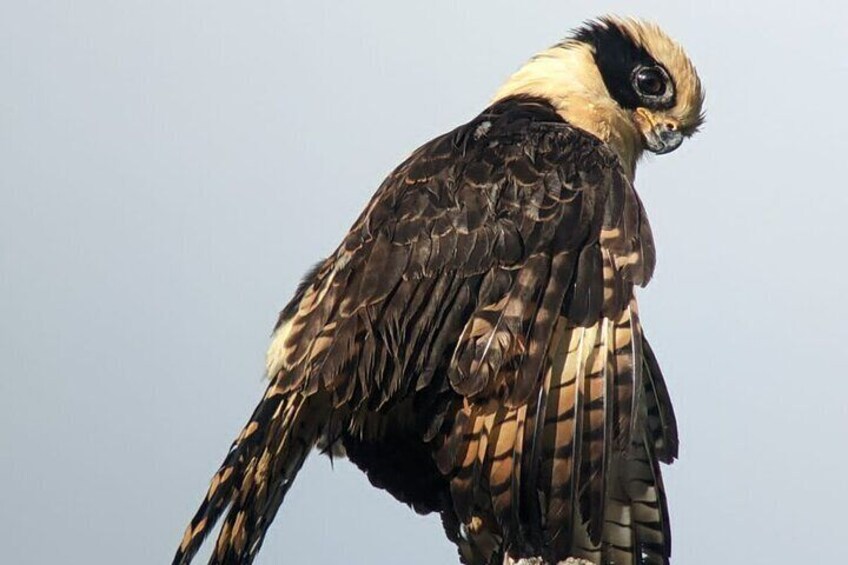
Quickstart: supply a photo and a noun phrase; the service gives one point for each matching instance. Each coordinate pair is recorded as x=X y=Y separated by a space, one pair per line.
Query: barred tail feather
x=253 y=479
x=648 y=507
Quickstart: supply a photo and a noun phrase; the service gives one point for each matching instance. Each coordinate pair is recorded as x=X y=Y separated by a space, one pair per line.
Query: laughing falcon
x=474 y=344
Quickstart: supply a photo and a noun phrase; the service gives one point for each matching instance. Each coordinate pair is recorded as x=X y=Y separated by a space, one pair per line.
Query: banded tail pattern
x=253 y=479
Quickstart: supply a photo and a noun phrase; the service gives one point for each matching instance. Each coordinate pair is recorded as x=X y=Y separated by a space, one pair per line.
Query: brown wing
x=478 y=322
x=484 y=300
x=502 y=255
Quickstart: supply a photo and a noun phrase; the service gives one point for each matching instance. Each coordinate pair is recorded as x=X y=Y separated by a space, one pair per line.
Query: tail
x=253 y=479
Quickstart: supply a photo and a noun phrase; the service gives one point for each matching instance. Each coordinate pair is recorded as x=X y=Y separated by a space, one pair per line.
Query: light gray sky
x=169 y=169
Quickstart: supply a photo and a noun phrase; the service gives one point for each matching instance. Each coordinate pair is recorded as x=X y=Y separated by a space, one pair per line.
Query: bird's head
x=622 y=80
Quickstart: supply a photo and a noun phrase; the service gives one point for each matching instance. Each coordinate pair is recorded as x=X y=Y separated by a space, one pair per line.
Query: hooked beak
x=661 y=134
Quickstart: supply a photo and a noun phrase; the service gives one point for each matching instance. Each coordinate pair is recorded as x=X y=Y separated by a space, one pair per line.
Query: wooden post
x=538 y=561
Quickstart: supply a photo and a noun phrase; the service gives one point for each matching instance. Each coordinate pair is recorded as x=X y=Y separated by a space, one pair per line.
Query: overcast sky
x=168 y=170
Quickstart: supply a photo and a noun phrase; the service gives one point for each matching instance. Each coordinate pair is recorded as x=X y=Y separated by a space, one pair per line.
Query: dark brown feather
x=478 y=314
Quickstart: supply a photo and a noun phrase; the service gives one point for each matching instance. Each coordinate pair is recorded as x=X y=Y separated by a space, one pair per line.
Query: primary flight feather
x=474 y=344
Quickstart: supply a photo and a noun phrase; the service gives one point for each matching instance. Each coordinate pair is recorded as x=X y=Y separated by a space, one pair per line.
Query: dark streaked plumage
x=474 y=346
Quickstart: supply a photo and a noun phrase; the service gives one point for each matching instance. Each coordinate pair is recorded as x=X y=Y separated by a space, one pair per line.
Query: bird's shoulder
x=516 y=165
x=521 y=138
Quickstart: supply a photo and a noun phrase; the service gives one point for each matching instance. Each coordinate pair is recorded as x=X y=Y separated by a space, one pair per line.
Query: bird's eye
x=650 y=81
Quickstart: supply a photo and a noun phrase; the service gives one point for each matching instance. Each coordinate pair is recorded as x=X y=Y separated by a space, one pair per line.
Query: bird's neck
x=566 y=75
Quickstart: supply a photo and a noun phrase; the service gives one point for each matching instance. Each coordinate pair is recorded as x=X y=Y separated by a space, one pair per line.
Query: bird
x=474 y=343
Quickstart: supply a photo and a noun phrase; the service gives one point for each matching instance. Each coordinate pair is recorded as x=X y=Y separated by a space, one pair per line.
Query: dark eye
x=650 y=81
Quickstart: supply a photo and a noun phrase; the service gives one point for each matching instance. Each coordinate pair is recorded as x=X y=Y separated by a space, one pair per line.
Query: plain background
x=168 y=170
